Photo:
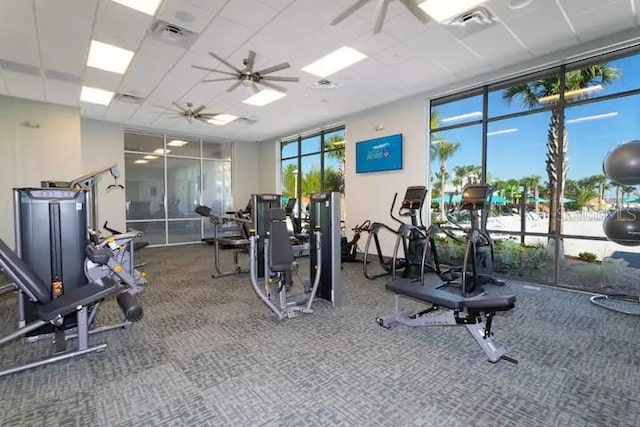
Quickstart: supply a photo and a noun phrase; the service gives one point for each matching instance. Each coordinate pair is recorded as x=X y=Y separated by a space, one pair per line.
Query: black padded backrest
x=23 y=276
x=202 y=210
x=280 y=250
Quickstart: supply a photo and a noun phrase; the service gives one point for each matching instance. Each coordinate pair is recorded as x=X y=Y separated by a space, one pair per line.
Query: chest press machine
x=278 y=261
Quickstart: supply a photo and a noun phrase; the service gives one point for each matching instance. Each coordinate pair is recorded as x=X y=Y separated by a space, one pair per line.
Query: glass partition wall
x=167 y=177
x=540 y=141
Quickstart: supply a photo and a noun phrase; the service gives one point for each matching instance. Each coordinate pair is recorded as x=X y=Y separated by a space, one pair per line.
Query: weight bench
x=52 y=310
x=475 y=313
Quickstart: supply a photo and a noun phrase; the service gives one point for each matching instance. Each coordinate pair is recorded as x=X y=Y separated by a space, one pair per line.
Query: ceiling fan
x=190 y=114
x=247 y=76
x=381 y=12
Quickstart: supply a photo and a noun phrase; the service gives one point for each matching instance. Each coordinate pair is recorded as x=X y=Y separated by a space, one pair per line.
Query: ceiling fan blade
x=273 y=86
x=198 y=109
x=281 y=79
x=202 y=119
x=255 y=87
x=213 y=71
x=415 y=10
x=235 y=85
x=218 y=80
x=381 y=13
x=225 y=62
x=348 y=12
x=179 y=107
x=274 y=68
x=251 y=59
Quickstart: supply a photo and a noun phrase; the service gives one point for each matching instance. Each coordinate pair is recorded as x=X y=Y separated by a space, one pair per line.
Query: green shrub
x=587 y=257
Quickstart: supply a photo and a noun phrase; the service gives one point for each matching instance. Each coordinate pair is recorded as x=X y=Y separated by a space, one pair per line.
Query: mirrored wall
x=167 y=176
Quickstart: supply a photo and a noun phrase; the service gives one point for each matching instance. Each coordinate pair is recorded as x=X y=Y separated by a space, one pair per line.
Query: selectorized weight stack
x=324 y=213
x=260 y=206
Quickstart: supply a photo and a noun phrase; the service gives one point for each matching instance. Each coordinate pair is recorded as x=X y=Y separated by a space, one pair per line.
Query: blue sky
x=517 y=147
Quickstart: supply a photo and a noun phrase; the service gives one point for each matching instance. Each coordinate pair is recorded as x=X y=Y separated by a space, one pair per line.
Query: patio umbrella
x=498 y=199
x=538 y=200
x=567 y=200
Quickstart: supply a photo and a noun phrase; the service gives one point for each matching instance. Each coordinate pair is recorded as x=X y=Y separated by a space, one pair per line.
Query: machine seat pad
x=413 y=289
x=139 y=245
x=82 y=296
x=280 y=251
x=23 y=276
x=491 y=303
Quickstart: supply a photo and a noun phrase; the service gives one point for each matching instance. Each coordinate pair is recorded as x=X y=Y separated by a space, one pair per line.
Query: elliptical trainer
x=410 y=235
x=479 y=254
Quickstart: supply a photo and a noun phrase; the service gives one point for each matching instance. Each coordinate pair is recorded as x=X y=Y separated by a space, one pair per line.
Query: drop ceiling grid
x=590 y=24
x=18 y=41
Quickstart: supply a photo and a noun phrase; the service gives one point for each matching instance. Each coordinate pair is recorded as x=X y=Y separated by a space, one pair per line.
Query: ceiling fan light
x=222 y=119
x=443 y=11
x=337 y=60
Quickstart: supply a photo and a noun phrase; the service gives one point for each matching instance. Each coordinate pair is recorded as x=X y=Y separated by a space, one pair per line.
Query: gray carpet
x=208 y=353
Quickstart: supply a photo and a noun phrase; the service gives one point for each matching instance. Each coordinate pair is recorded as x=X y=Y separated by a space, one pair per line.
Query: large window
x=311 y=164
x=540 y=141
x=167 y=177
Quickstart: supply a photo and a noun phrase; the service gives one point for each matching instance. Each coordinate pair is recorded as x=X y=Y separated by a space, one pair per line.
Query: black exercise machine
x=478 y=260
x=410 y=235
x=349 y=249
x=79 y=301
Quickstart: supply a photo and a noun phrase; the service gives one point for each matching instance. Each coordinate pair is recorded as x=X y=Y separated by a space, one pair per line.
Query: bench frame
x=477 y=322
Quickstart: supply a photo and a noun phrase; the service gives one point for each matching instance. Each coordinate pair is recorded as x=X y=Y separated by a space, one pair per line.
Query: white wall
x=29 y=155
x=245 y=172
x=269 y=163
x=369 y=195
x=103 y=146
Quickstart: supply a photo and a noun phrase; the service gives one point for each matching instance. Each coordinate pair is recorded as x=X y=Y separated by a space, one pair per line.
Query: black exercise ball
x=623 y=226
x=622 y=164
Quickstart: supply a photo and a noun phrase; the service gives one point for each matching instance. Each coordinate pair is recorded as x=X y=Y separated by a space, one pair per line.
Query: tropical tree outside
x=443 y=150
x=533 y=183
x=335 y=149
x=544 y=92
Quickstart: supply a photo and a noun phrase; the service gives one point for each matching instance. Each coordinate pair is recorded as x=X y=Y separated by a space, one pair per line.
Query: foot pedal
x=380 y=322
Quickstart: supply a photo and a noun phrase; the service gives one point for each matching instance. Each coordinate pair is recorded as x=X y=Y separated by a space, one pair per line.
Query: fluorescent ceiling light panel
x=161 y=151
x=595 y=117
x=502 y=132
x=334 y=62
x=109 y=58
x=141 y=161
x=150 y=7
x=177 y=143
x=475 y=114
x=571 y=94
x=222 y=119
x=264 y=97
x=95 y=96
x=444 y=10
x=150 y=157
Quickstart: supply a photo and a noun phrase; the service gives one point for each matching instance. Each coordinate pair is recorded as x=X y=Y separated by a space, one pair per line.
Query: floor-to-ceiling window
x=167 y=176
x=312 y=163
x=540 y=141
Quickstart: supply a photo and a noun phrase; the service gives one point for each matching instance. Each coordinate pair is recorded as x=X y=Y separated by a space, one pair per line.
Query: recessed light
x=222 y=119
x=335 y=61
x=264 y=97
x=141 y=161
x=95 y=96
x=443 y=11
x=150 y=157
x=177 y=143
x=109 y=58
x=150 y=7
x=161 y=151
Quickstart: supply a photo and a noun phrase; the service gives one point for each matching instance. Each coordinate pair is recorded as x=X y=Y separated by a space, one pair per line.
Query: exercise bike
x=410 y=235
x=478 y=260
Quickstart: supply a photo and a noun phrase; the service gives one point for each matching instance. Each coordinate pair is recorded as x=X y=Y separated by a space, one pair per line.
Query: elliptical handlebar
x=393 y=205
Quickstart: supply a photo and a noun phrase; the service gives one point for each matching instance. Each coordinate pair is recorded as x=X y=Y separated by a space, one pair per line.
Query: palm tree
x=532 y=183
x=546 y=91
x=443 y=150
x=602 y=183
x=627 y=190
x=335 y=148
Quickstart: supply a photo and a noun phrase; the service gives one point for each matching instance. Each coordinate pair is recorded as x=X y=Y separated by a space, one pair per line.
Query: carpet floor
x=207 y=352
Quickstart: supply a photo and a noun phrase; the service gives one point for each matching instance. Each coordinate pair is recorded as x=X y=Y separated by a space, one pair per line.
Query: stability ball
x=622 y=164
x=623 y=226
